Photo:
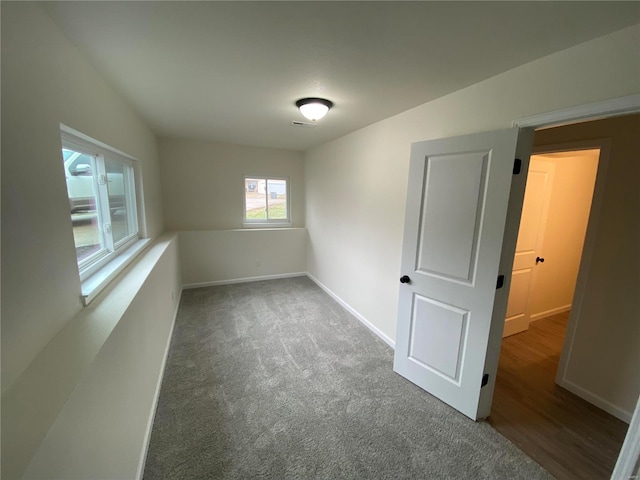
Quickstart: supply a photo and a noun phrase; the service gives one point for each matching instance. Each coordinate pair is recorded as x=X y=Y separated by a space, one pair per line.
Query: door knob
x=405 y=279
x=539 y=260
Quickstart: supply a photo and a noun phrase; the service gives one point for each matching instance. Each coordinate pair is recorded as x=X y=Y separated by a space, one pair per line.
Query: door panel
x=457 y=201
x=437 y=337
x=532 y=209
x=519 y=292
x=452 y=199
x=524 y=260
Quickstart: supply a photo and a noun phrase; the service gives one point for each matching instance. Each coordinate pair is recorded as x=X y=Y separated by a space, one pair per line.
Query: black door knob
x=405 y=279
x=539 y=260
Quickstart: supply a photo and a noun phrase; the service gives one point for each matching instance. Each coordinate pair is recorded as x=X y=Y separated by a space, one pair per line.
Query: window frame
x=266 y=223
x=100 y=153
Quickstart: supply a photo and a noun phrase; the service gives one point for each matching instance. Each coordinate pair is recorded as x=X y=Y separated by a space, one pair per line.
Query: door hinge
x=500 y=282
x=517 y=166
x=102 y=179
x=485 y=380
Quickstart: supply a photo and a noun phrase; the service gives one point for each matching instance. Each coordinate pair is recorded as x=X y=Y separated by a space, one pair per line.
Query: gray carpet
x=275 y=380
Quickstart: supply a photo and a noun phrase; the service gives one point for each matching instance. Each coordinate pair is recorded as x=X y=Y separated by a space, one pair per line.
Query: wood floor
x=569 y=437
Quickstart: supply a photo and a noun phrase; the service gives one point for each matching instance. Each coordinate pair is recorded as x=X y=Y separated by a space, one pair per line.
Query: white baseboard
x=597 y=400
x=152 y=415
x=243 y=280
x=549 y=313
x=355 y=313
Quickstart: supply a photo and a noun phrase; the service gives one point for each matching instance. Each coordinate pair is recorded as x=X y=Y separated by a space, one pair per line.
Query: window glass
x=79 y=168
x=266 y=200
x=117 y=201
x=255 y=199
x=102 y=204
x=277 y=199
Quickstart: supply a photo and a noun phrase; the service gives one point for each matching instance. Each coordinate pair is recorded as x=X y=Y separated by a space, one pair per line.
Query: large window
x=266 y=201
x=102 y=201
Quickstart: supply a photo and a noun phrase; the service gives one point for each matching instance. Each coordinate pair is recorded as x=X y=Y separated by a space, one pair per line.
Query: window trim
x=266 y=223
x=93 y=285
x=99 y=269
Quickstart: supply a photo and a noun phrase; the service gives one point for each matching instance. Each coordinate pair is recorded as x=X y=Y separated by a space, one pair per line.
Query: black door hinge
x=517 y=166
x=485 y=380
x=500 y=282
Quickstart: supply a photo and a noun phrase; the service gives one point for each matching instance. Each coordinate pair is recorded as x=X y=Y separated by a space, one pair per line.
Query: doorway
x=553 y=225
x=569 y=436
x=602 y=330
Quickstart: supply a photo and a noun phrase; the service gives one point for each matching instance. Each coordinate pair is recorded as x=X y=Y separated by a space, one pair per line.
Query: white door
x=450 y=317
x=529 y=258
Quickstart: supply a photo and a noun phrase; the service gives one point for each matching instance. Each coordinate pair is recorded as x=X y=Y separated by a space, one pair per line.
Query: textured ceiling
x=232 y=71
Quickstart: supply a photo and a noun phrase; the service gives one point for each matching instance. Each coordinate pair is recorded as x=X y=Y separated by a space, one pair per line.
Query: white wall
x=102 y=429
x=203 y=194
x=48 y=340
x=220 y=256
x=356 y=185
x=565 y=228
x=203 y=183
x=605 y=350
x=45 y=82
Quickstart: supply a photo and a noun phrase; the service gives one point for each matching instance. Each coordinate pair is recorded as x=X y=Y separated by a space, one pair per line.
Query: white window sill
x=267 y=224
x=93 y=285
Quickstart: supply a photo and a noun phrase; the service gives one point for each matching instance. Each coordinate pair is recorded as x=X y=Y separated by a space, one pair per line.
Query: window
x=266 y=201
x=102 y=201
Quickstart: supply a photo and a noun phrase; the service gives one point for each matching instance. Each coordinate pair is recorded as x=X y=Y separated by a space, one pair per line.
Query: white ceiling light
x=314 y=108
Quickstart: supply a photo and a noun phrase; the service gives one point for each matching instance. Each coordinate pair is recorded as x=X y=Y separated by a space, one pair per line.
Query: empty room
x=279 y=239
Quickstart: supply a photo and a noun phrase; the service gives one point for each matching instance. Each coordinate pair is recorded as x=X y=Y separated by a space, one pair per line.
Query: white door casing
x=629 y=457
x=529 y=246
x=450 y=319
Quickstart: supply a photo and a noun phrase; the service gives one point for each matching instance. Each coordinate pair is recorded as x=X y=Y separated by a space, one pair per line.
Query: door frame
x=615 y=107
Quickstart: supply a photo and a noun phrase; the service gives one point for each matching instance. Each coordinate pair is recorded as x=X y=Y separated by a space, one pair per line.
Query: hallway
x=568 y=436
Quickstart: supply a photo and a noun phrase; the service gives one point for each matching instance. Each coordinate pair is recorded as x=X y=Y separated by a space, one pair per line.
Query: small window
x=102 y=202
x=266 y=200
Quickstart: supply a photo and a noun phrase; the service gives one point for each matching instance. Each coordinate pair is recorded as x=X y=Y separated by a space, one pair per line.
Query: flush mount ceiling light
x=314 y=108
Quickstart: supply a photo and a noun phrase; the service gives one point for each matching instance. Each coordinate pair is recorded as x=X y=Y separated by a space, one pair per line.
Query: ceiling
x=232 y=71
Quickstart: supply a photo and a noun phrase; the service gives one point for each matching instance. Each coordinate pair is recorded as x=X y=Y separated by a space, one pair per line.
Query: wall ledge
x=222 y=230
x=43 y=388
